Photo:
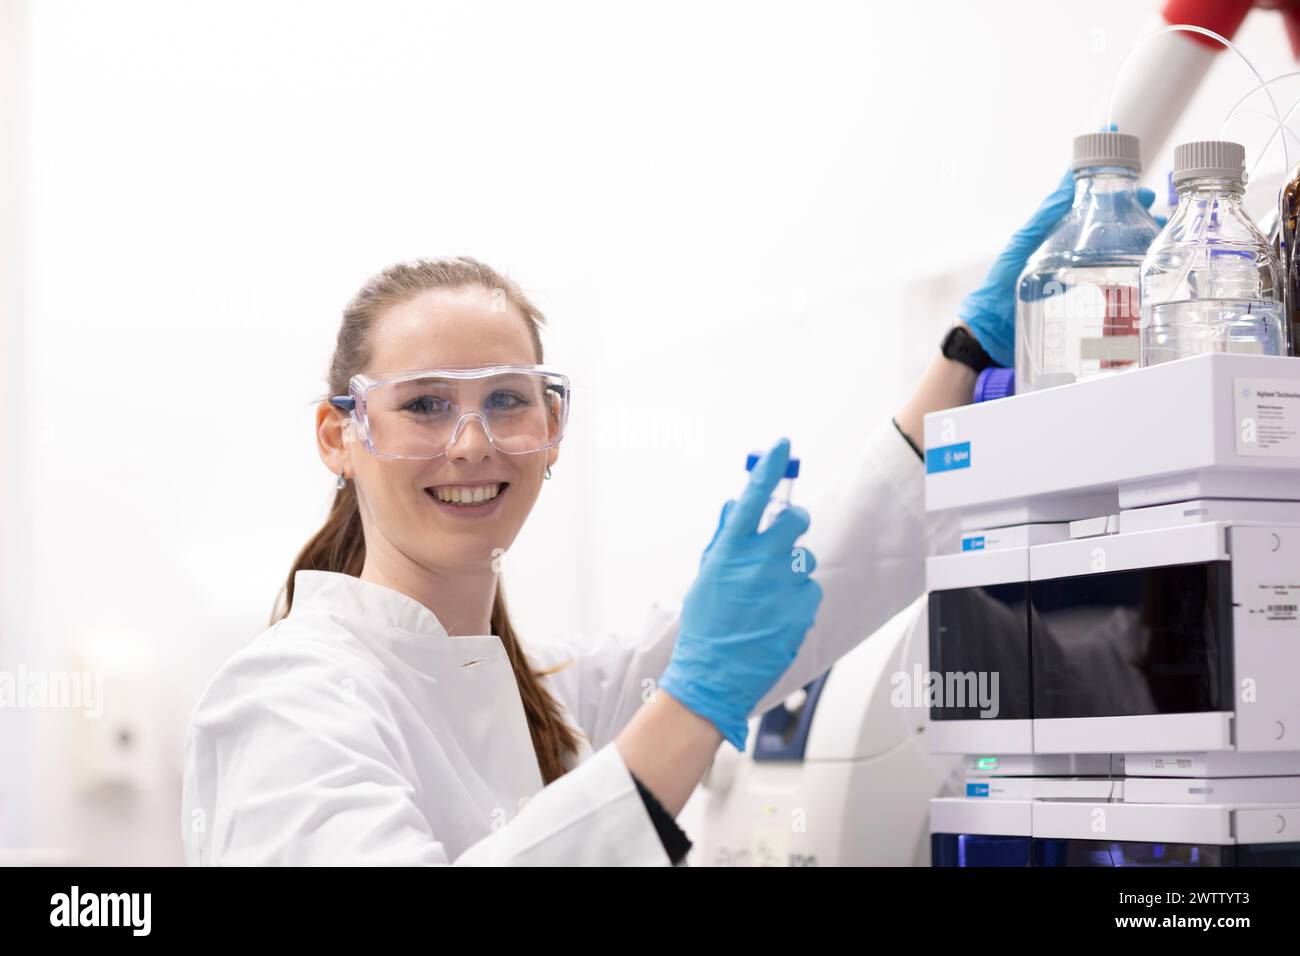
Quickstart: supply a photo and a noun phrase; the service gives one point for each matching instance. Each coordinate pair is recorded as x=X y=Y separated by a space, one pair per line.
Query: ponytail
x=340 y=545
x=552 y=735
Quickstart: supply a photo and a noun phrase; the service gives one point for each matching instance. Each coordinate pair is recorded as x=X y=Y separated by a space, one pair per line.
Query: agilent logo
x=102 y=909
x=947 y=457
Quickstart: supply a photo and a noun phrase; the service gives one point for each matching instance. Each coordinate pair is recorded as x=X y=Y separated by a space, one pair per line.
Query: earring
x=548 y=471
x=342 y=482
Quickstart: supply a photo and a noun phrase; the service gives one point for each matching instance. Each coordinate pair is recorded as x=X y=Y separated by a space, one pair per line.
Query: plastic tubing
x=1282 y=125
x=1190 y=28
x=1282 y=128
x=1213 y=199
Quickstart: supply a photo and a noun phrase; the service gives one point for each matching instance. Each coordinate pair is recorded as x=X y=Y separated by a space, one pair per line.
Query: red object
x=1221 y=16
x=1224 y=17
x=1291 y=17
x=1123 y=317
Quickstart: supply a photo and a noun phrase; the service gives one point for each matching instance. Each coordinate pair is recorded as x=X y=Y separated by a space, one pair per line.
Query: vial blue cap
x=995 y=383
x=791 y=468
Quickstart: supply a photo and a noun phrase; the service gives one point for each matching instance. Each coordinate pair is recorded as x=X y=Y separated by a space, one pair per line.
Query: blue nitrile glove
x=747 y=612
x=990 y=311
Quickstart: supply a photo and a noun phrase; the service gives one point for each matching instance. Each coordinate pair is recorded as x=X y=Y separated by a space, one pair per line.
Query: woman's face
x=401 y=499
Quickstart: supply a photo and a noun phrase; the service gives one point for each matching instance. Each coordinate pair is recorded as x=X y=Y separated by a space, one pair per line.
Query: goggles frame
x=360 y=386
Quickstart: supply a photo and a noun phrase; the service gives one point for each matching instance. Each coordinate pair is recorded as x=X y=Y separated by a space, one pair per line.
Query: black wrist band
x=675 y=842
x=910 y=444
x=960 y=346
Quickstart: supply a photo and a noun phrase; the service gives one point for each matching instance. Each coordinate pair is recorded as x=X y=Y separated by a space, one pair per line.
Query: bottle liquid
x=1211 y=282
x=1077 y=314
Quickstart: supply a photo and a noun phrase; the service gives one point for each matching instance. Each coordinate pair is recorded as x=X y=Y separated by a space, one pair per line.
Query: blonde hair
x=340 y=544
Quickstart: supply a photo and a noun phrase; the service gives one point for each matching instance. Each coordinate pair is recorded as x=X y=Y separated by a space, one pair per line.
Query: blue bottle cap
x=995 y=383
x=791 y=468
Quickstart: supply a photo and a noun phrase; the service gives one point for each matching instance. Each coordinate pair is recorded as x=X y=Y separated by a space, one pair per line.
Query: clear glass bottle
x=1211 y=282
x=1077 y=312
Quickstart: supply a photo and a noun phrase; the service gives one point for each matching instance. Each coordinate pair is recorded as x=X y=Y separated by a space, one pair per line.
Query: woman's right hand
x=748 y=611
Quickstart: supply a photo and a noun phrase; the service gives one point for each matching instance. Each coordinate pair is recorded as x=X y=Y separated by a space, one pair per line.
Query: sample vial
x=780 y=499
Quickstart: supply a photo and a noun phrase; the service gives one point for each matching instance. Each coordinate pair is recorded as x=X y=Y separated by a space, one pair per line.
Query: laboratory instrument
x=1131 y=595
x=839 y=775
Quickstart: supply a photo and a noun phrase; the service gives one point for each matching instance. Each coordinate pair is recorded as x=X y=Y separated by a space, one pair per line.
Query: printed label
x=947 y=457
x=973 y=544
x=1067 y=310
x=977 y=789
x=1274 y=604
x=1111 y=350
x=1268 y=416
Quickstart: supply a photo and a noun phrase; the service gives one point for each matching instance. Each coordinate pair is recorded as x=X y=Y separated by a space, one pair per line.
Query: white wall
x=15 y=726
x=729 y=210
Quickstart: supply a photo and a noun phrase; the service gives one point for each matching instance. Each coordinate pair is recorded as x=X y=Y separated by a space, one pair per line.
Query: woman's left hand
x=990 y=311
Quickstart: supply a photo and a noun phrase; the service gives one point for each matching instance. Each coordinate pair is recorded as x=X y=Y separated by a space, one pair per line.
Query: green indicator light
x=987 y=763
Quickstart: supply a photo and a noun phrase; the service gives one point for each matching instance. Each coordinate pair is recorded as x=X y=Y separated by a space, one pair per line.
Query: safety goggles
x=420 y=414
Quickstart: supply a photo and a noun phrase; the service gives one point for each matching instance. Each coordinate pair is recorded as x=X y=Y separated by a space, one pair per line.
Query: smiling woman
x=417 y=443
x=391 y=714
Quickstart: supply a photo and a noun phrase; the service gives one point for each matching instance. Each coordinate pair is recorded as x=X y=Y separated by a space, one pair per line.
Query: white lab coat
x=357 y=731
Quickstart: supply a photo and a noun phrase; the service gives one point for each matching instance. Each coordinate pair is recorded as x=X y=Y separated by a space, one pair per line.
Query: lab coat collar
x=477 y=713
x=351 y=598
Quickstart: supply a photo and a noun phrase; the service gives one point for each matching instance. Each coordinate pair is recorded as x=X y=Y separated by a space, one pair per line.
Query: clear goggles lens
x=421 y=416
